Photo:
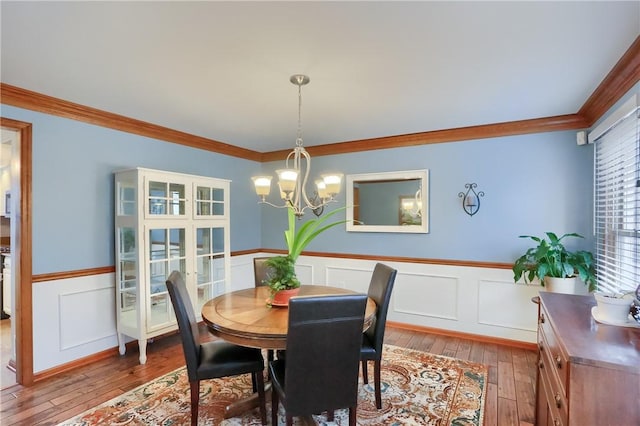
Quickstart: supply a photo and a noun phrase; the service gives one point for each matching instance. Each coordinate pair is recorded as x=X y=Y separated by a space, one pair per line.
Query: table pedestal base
x=240 y=407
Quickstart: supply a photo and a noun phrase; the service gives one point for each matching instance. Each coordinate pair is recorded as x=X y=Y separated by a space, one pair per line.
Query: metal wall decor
x=471 y=199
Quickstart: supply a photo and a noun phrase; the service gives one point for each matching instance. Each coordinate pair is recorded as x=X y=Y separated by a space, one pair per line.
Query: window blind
x=617 y=204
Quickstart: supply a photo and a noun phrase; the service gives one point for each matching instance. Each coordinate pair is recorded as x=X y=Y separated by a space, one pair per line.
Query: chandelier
x=292 y=180
x=413 y=206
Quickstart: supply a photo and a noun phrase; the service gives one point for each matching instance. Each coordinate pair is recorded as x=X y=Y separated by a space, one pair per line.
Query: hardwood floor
x=7 y=376
x=510 y=391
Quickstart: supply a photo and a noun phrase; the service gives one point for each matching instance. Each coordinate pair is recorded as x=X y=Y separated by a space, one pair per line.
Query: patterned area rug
x=418 y=388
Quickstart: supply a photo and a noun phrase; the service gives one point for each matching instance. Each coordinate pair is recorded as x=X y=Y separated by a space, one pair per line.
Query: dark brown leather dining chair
x=260 y=271
x=320 y=370
x=214 y=359
x=380 y=289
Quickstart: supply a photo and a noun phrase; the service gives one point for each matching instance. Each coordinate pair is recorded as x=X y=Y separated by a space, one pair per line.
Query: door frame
x=23 y=308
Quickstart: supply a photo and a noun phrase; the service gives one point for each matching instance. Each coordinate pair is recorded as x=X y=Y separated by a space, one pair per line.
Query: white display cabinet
x=167 y=221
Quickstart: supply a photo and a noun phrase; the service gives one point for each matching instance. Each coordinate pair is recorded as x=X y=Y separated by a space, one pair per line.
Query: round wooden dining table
x=244 y=317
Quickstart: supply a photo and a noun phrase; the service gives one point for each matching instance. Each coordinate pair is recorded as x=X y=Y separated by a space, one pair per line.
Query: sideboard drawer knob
x=558 y=401
x=559 y=361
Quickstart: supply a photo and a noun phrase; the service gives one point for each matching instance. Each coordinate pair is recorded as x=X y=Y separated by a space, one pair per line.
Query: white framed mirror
x=388 y=202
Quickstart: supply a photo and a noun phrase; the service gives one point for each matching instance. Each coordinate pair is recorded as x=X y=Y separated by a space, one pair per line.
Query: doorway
x=8 y=143
x=20 y=247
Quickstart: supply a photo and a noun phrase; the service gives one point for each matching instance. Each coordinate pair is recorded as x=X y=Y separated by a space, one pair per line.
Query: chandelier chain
x=299 y=134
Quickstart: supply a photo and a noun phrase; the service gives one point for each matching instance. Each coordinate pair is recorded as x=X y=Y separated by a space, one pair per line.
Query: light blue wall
x=532 y=184
x=73 y=164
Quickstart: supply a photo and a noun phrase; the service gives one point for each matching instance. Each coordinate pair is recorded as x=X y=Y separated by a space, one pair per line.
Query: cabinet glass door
x=167 y=252
x=210 y=263
x=166 y=199
x=128 y=279
x=126 y=199
x=209 y=201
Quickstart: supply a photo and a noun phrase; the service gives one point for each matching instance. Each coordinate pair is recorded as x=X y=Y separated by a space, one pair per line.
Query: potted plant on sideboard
x=619 y=307
x=613 y=308
x=556 y=267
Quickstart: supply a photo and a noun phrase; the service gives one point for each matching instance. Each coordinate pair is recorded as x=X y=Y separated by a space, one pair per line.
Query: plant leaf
x=308 y=231
x=289 y=234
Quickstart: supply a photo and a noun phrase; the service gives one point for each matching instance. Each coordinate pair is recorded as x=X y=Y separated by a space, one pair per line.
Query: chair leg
x=274 y=407
x=289 y=420
x=259 y=379
x=254 y=384
x=376 y=374
x=365 y=374
x=195 y=400
x=330 y=415
x=352 y=416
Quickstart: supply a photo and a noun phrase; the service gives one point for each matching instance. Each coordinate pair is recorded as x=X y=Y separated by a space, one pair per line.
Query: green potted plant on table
x=556 y=267
x=282 y=280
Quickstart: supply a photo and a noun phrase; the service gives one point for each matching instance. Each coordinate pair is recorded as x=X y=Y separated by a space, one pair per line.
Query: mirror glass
x=388 y=202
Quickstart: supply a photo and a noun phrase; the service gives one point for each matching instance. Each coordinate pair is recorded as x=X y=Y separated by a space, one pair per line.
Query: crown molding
x=622 y=77
x=22 y=98
x=536 y=125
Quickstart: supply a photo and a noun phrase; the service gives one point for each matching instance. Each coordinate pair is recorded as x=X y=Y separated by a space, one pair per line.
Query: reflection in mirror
x=388 y=202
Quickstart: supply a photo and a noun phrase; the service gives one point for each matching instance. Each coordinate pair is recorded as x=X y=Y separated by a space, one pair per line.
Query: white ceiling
x=221 y=69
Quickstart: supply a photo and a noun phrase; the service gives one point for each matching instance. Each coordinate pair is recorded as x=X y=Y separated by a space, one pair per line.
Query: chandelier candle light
x=292 y=181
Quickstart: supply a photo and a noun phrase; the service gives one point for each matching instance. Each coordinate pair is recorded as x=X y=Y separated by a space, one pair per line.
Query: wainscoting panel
x=473 y=300
x=356 y=279
x=304 y=272
x=503 y=304
x=441 y=292
x=241 y=273
x=86 y=316
x=74 y=318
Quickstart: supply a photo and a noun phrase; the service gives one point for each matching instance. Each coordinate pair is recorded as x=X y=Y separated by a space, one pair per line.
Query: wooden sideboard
x=588 y=373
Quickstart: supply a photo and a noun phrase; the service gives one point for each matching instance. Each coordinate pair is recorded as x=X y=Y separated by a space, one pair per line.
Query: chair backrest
x=260 y=271
x=187 y=323
x=380 y=289
x=323 y=352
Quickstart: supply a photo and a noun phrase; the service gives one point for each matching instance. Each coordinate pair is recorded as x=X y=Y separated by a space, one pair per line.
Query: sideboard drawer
x=549 y=347
x=556 y=411
x=554 y=390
